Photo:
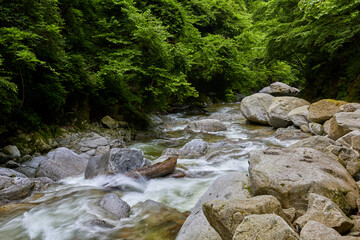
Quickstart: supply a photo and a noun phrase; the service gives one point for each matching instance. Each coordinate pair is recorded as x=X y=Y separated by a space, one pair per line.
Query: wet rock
x=324 y=109
x=93 y=140
x=117 y=160
x=231 y=115
x=299 y=116
x=290 y=133
x=350 y=107
x=255 y=107
x=290 y=174
x=325 y=211
x=280 y=108
x=316 y=128
x=160 y=221
x=61 y=163
x=12 y=151
x=229 y=186
x=207 y=125
x=42 y=183
x=194 y=149
x=343 y=123
x=265 y=227
x=14 y=188
x=316 y=231
x=225 y=215
x=109 y=122
x=98 y=223
x=114 y=205
x=12 y=164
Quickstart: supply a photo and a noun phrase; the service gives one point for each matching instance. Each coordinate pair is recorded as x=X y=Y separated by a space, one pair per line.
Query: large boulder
x=324 y=109
x=61 y=163
x=290 y=174
x=290 y=133
x=352 y=139
x=325 y=211
x=229 y=186
x=207 y=125
x=299 y=116
x=116 y=160
x=264 y=227
x=280 y=108
x=6 y=172
x=255 y=107
x=343 y=123
x=316 y=231
x=115 y=206
x=225 y=215
x=14 y=188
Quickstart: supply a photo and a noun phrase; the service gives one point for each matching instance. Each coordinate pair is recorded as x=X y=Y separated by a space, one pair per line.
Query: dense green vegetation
x=130 y=57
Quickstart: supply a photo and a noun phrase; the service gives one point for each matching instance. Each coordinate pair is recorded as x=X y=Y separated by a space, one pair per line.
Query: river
x=65 y=210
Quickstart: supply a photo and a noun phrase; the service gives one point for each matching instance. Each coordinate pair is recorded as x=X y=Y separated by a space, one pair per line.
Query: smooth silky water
x=65 y=210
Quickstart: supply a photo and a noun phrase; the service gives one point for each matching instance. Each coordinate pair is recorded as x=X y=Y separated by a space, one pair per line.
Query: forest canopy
x=136 y=56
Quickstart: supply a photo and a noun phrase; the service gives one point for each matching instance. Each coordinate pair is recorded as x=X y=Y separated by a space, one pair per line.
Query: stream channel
x=67 y=210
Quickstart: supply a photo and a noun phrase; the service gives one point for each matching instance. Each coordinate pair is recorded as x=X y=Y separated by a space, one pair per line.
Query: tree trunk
x=156 y=170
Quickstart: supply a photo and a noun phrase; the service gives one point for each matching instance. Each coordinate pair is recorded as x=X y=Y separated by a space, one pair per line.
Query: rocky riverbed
x=271 y=167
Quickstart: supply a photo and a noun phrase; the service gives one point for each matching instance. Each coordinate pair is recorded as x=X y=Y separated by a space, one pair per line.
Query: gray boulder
x=225 y=215
x=6 y=172
x=61 y=163
x=280 y=108
x=316 y=231
x=264 y=227
x=299 y=116
x=114 y=205
x=117 y=160
x=194 y=149
x=93 y=140
x=325 y=211
x=280 y=89
x=350 y=107
x=229 y=186
x=29 y=168
x=207 y=125
x=15 y=188
x=290 y=174
x=255 y=107
x=343 y=123
x=12 y=151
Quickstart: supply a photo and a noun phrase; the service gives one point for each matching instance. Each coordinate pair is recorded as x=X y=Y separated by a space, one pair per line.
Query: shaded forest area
x=64 y=58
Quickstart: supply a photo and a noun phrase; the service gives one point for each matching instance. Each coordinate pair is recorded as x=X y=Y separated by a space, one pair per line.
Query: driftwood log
x=155 y=170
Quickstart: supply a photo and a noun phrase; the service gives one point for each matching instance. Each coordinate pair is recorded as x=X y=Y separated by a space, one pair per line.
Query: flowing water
x=67 y=210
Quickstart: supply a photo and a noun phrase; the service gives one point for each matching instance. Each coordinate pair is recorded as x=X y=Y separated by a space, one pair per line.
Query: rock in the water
x=109 y=122
x=316 y=128
x=316 y=231
x=194 y=149
x=290 y=174
x=231 y=115
x=343 y=123
x=225 y=215
x=255 y=107
x=42 y=183
x=350 y=107
x=117 y=160
x=290 y=133
x=299 y=116
x=264 y=227
x=93 y=140
x=98 y=223
x=229 y=186
x=325 y=211
x=114 y=205
x=61 y=163
x=12 y=151
x=280 y=108
x=324 y=109
x=207 y=125
x=15 y=188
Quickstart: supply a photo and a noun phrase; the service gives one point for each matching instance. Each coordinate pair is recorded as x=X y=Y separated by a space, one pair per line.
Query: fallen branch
x=156 y=170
